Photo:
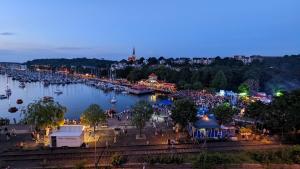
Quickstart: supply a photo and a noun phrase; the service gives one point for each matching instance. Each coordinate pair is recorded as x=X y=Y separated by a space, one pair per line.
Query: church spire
x=133 y=51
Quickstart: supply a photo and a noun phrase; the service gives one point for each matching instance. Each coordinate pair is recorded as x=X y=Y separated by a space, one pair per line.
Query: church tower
x=132 y=58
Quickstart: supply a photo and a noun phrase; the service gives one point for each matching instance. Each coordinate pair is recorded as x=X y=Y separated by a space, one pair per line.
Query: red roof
x=152 y=75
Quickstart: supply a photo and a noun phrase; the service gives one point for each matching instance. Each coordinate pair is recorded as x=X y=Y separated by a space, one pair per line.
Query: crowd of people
x=201 y=98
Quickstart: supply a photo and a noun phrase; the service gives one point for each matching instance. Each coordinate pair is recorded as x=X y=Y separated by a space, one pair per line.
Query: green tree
x=184 y=111
x=244 y=89
x=197 y=85
x=283 y=115
x=93 y=115
x=219 y=81
x=45 y=114
x=142 y=112
x=256 y=110
x=224 y=113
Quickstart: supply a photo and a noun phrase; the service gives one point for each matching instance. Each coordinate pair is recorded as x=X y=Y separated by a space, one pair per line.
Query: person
x=7 y=136
x=13 y=131
x=106 y=144
x=21 y=144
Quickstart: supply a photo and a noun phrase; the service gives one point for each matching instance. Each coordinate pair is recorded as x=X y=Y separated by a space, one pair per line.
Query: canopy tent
x=165 y=102
x=202 y=111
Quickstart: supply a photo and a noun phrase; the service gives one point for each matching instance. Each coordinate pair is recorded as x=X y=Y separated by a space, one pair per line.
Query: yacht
x=3 y=96
x=125 y=92
x=58 y=92
x=113 y=100
x=22 y=85
x=8 y=92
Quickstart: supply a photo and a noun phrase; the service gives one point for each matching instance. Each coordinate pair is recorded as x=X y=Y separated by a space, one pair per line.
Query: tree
x=93 y=115
x=184 y=111
x=283 y=115
x=141 y=60
x=244 y=89
x=152 y=61
x=135 y=75
x=197 y=85
x=256 y=110
x=224 y=113
x=45 y=114
x=142 y=112
x=219 y=81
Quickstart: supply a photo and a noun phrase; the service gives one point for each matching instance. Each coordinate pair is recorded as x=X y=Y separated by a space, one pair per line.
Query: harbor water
x=75 y=97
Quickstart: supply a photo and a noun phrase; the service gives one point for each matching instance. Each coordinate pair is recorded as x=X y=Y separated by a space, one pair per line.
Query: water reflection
x=76 y=97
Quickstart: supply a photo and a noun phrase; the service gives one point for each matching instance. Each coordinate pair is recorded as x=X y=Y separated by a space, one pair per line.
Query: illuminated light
x=242 y=112
x=153 y=98
x=278 y=94
x=222 y=93
x=205 y=118
x=243 y=94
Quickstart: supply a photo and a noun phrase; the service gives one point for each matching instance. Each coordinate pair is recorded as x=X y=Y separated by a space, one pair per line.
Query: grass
x=209 y=160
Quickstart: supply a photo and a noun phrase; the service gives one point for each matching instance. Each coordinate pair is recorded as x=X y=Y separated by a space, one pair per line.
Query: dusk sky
x=172 y=28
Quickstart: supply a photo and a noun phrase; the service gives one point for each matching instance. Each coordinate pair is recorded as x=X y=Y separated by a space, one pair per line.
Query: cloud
x=7 y=33
x=71 y=48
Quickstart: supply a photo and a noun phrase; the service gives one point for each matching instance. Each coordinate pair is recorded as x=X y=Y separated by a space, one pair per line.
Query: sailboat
x=58 y=92
x=8 y=90
x=112 y=74
x=113 y=100
x=22 y=85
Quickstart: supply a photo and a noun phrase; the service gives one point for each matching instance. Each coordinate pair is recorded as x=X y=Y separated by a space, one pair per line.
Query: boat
x=46 y=83
x=58 y=92
x=22 y=85
x=48 y=99
x=137 y=90
x=19 y=101
x=125 y=92
x=8 y=92
x=113 y=100
x=2 y=96
x=13 y=109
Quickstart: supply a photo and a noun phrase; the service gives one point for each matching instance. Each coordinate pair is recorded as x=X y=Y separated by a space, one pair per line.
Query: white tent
x=67 y=136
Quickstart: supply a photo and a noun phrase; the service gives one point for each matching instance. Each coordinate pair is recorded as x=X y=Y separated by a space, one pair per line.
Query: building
x=67 y=136
x=132 y=58
x=248 y=60
x=181 y=60
x=203 y=61
x=153 y=83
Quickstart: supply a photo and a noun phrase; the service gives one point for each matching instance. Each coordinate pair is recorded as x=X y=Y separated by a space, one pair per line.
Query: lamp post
x=95 y=150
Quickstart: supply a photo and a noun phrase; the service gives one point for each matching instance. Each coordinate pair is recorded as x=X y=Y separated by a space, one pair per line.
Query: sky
x=108 y=29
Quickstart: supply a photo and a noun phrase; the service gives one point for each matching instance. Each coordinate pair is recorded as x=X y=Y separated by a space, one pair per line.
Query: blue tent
x=165 y=102
x=202 y=111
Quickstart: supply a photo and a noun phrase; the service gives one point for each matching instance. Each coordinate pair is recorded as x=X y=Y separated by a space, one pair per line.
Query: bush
x=80 y=165
x=171 y=159
x=117 y=160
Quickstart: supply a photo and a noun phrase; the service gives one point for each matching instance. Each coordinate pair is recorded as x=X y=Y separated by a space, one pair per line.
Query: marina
x=75 y=94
